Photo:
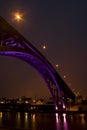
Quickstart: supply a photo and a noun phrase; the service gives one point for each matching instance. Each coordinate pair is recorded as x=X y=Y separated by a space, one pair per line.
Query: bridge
x=13 y=44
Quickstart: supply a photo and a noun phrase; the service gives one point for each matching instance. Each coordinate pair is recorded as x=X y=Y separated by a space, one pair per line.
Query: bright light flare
x=44 y=47
x=57 y=66
x=18 y=17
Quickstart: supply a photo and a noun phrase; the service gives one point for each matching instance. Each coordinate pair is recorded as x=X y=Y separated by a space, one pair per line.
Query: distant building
x=24 y=100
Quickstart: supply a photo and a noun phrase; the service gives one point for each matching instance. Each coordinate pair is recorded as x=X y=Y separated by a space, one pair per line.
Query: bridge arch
x=13 y=44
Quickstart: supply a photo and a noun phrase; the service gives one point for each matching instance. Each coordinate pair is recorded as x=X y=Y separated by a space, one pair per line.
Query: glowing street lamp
x=64 y=76
x=18 y=16
x=44 y=47
x=57 y=66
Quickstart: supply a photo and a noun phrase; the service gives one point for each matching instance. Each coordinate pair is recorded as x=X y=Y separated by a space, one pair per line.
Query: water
x=42 y=121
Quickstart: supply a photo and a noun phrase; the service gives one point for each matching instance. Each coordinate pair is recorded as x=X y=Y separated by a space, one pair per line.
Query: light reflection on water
x=26 y=120
x=33 y=118
x=64 y=118
x=1 y=118
x=82 y=118
x=65 y=125
x=42 y=121
x=18 y=119
x=57 y=122
x=61 y=121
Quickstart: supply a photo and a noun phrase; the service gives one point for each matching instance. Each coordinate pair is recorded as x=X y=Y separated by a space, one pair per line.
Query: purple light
x=57 y=118
x=12 y=41
x=64 y=117
x=64 y=106
x=65 y=122
x=57 y=122
x=39 y=65
x=56 y=108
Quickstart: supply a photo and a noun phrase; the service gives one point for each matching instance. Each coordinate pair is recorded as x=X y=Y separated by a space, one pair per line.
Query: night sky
x=62 y=26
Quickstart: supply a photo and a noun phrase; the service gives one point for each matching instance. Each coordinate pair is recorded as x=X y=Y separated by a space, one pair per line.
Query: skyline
x=62 y=27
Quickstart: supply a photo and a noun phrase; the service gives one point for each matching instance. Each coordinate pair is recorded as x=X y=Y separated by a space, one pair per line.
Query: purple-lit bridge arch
x=13 y=44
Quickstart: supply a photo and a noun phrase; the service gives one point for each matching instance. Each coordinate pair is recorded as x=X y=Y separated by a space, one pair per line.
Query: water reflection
x=18 y=119
x=1 y=114
x=64 y=117
x=82 y=118
x=43 y=121
x=71 y=118
x=57 y=122
x=57 y=118
x=61 y=122
x=65 y=122
x=33 y=118
x=26 y=120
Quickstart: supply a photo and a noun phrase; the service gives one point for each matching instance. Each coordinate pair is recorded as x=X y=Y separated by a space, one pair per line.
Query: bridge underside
x=12 y=43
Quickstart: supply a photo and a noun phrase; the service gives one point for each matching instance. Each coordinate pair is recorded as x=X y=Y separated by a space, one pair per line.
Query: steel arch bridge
x=13 y=44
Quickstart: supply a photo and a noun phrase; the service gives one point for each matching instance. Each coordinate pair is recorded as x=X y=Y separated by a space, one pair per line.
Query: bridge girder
x=12 y=43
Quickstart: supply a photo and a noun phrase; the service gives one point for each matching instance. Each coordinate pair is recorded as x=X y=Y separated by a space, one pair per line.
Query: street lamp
x=18 y=16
